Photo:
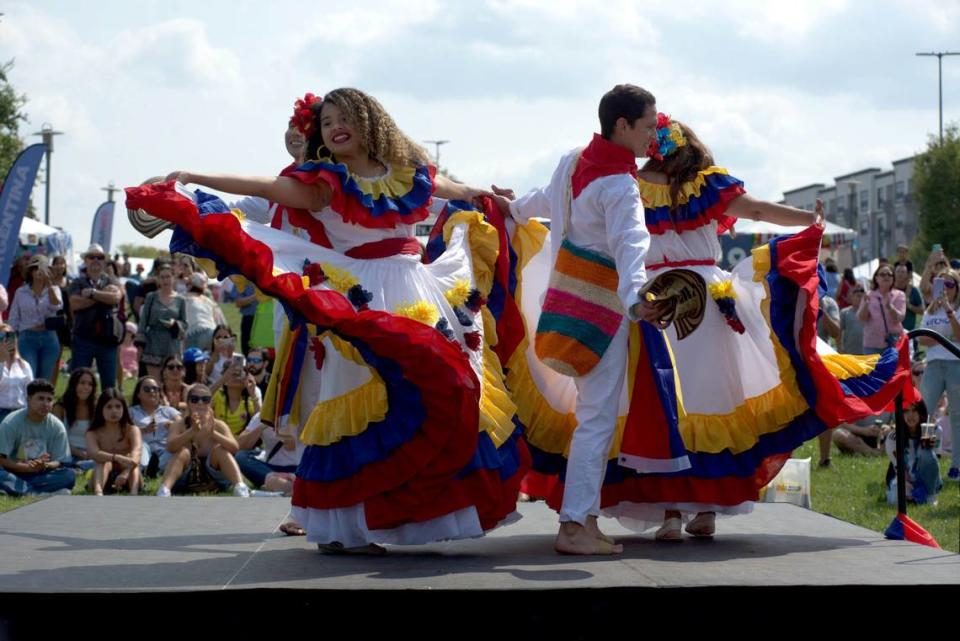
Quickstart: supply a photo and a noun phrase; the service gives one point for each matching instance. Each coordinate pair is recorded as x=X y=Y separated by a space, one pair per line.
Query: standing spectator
x=173 y=389
x=203 y=314
x=58 y=271
x=15 y=373
x=847 y=282
x=882 y=312
x=75 y=409
x=126 y=269
x=163 y=321
x=204 y=444
x=832 y=277
x=936 y=264
x=154 y=419
x=222 y=349
x=185 y=268
x=903 y=258
x=942 y=369
x=903 y=280
x=828 y=325
x=4 y=299
x=195 y=362
x=113 y=441
x=33 y=447
x=149 y=284
x=17 y=275
x=94 y=299
x=34 y=314
x=851 y=329
x=281 y=452
x=246 y=301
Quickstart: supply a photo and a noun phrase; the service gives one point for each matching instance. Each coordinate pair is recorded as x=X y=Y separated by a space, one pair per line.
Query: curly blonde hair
x=378 y=132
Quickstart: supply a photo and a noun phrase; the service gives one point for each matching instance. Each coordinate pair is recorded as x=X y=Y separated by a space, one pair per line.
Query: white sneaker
x=240 y=489
x=163 y=491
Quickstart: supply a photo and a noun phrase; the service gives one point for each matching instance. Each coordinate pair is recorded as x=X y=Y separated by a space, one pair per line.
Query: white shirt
x=29 y=310
x=283 y=457
x=938 y=321
x=607 y=217
x=13 y=384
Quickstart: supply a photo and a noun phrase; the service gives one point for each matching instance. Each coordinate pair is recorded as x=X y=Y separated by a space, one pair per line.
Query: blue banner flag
x=102 y=231
x=14 y=199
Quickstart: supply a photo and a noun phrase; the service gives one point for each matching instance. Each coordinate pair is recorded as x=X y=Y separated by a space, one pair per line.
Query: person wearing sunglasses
x=942 y=369
x=97 y=330
x=173 y=389
x=882 y=312
x=200 y=439
x=257 y=366
x=154 y=419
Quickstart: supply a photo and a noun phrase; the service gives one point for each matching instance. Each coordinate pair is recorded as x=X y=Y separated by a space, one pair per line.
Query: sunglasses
x=95 y=257
x=200 y=399
x=917 y=372
x=885 y=275
x=949 y=284
x=254 y=360
x=173 y=366
x=150 y=389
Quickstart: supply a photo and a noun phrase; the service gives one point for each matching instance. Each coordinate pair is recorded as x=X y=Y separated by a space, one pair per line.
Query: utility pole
x=47 y=133
x=436 y=155
x=940 y=55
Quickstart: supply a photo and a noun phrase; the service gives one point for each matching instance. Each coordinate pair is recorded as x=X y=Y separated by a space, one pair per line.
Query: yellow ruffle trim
x=396 y=184
x=484 y=246
x=655 y=195
x=844 y=366
x=496 y=406
x=269 y=411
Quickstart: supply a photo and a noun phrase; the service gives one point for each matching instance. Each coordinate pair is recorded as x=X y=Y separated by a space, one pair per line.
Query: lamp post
x=47 y=133
x=436 y=144
x=940 y=55
x=110 y=189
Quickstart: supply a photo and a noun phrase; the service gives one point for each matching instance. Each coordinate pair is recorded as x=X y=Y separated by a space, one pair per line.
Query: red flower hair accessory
x=302 y=117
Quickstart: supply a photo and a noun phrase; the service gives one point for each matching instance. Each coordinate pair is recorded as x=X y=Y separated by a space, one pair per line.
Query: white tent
x=34 y=234
x=834 y=233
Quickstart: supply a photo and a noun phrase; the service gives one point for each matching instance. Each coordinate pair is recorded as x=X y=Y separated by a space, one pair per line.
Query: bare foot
x=594 y=529
x=573 y=538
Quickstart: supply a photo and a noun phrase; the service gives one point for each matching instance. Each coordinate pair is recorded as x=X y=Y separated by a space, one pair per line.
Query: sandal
x=291 y=528
x=703 y=525
x=670 y=530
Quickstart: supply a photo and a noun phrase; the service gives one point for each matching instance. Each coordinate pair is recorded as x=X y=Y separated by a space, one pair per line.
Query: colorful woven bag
x=581 y=310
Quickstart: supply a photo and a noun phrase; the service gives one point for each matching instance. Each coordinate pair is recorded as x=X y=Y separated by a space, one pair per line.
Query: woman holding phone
x=942 y=369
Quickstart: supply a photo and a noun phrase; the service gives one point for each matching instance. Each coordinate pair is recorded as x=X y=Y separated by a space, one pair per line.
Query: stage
x=67 y=551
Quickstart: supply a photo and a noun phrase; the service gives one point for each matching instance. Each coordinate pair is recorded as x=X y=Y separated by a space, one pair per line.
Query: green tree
x=11 y=115
x=936 y=186
x=139 y=251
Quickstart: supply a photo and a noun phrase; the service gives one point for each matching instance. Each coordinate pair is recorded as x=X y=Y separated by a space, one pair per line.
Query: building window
x=899 y=189
x=864 y=200
x=909 y=185
x=879 y=197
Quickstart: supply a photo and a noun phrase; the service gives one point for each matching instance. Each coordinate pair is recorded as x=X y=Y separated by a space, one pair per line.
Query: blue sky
x=785 y=94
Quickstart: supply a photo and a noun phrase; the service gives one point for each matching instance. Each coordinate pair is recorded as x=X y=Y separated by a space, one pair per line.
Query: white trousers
x=598 y=403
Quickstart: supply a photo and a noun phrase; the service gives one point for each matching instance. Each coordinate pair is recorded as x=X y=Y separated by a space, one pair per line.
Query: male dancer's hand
x=502 y=198
x=652 y=312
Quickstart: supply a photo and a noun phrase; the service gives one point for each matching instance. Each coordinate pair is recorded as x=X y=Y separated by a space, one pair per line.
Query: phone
x=937 y=247
x=938 y=287
x=239 y=361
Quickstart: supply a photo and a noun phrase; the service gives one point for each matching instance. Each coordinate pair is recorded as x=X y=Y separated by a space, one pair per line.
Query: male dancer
x=606 y=216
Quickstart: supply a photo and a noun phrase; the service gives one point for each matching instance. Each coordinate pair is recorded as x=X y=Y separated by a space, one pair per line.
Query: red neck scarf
x=602 y=158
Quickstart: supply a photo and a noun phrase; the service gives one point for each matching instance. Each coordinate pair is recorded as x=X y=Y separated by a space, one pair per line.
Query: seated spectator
x=881 y=312
x=280 y=452
x=75 y=409
x=851 y=329
x=15 y=373
x=163 y=322
x=35 y=304
x=203 y=314
x=33 y=447
x=863 y=437
x=195 y=362
x=154 y=419
x=236 y=397
x=222 y=349
x=201 y=447
x=173 y=390
x=923 y=471
x=258 y=367
x=113 y=441
x=129 y=354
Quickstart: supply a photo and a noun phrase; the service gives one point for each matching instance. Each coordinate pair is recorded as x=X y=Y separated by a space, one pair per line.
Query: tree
x=936 y=186
x=139 y=251
x=11 y=116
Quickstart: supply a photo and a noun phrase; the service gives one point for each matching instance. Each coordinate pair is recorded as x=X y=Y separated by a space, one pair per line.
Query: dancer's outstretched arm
x=746 y=206
x=446 y=188
x=280 y=189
